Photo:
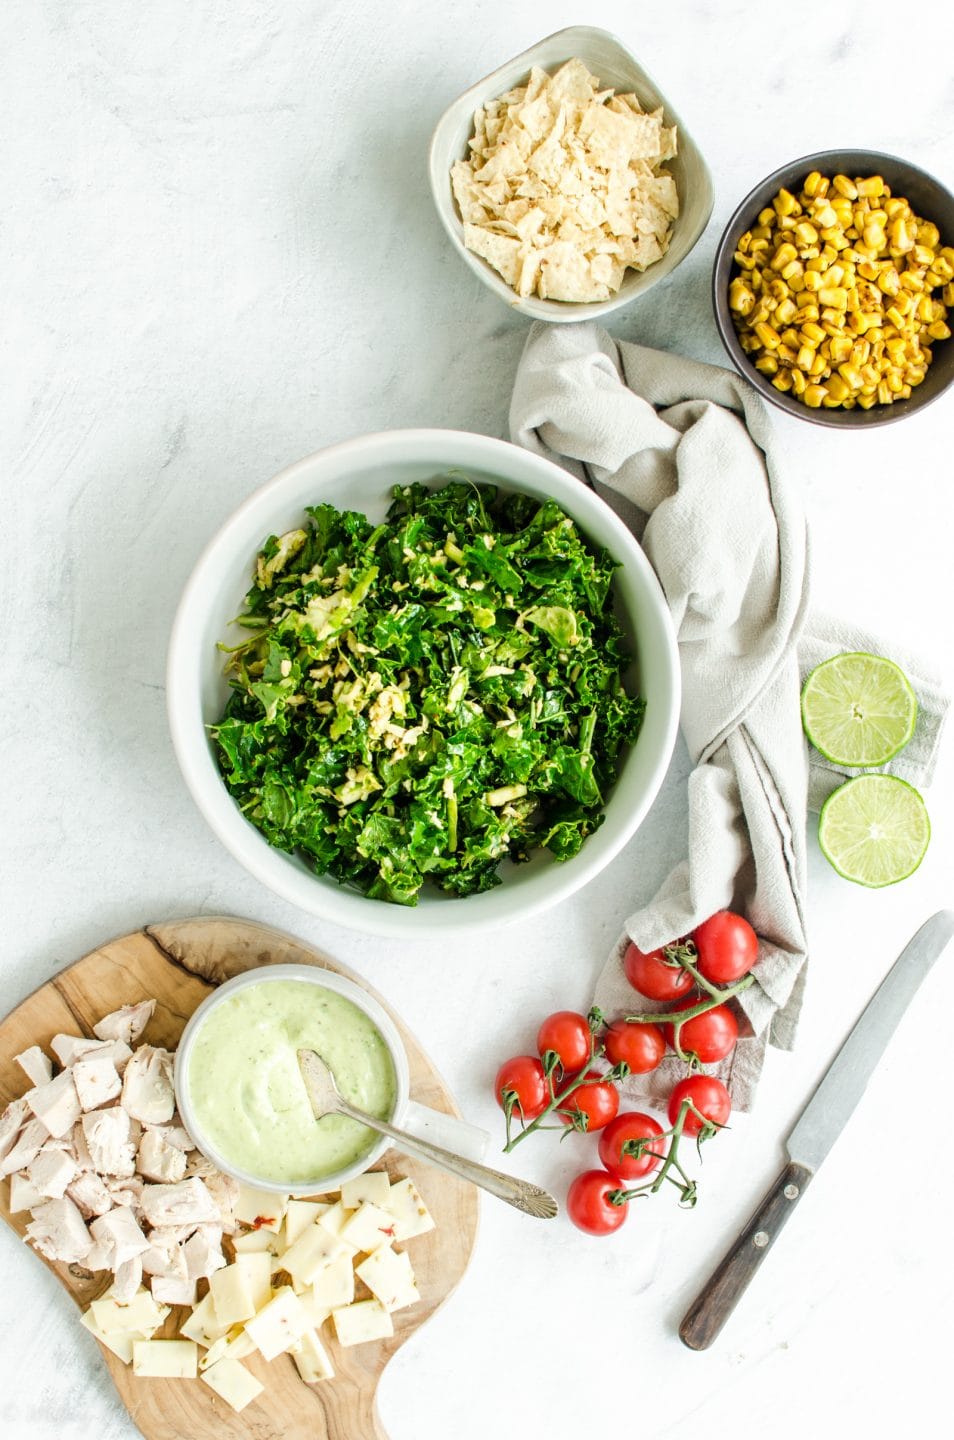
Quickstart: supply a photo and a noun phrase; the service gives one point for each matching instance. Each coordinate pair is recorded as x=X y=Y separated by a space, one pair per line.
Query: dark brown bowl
x=928 y=198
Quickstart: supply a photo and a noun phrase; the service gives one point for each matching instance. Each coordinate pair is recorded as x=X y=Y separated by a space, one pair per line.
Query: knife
x=817 y=1129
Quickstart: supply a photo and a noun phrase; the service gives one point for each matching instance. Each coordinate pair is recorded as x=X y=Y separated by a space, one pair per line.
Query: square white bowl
x=607 y=57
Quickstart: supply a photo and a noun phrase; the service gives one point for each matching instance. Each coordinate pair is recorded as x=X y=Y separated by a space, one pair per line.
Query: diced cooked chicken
x=188 y=1202
x=12 y=1122
x=88 y=1192
x=158 y=1160
x=127 y=1280
x=165 y=1256
x=99 y=1256
x=70 y=1048
x=126 y=1024
x=175 y=1134
x=107 y=1138
x=37 y=1066
x=197 y=1164
x=126 y=1190
x=203 y=1255
x=97 y=1081
x=23 y=1193
x=148 y=1093
x=29 y=1143
x=174 y=1290
x=51 y=1171
x=225 y=1192
x=58 y=1231
x=56 y=1103
x=80 y=1148
x=118 y=1229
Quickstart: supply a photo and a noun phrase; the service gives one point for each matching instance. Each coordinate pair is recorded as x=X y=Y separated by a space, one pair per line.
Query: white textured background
x=218 y=253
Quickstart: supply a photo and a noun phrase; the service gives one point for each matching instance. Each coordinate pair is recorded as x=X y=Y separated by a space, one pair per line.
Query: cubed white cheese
x=260 y=1208
x=388 y=1275
x=121 y=1343
x=236 y=1345
x=334 y=1219
x=141 y=1314
x=368 y=1227
x=175 y=1359
x=311 y=1359
x=373 y=1185
x=411 y=1215
x=203 y=1324
x=334 y=1285
x=252 y=1241
x=316 y=1312
x=232 y=1382
x=299 y=1215
x=362 y=1321
x=257 y=1269
x=310 y=1253
x=231 y=1295
x=281 y=1322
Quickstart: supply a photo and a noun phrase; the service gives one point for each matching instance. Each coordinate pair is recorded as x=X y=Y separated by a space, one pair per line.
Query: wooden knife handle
x=719 y=1296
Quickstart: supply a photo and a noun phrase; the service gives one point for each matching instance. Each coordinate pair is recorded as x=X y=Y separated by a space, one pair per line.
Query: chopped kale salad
x=423 y=698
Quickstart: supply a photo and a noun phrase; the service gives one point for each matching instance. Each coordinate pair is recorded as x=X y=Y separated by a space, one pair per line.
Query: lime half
x=874 y=829
x=858 y=709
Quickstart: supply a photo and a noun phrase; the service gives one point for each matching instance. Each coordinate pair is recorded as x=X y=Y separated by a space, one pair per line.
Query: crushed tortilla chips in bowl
x=566 y=180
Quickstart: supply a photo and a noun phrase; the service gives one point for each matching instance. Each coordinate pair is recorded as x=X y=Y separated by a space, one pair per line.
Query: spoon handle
x=519 y=1193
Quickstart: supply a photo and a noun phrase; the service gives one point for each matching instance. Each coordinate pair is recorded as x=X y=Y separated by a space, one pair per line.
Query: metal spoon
x=326 y=1100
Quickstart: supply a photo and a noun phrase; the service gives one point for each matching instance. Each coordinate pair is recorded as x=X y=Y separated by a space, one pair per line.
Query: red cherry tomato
x=653 y=975
x=597 y=1100
x=641 y=1047
x=709 y=1096
x=727 y=948
x=522 y=1077
x=589 y=1206
x=710 y=1036
x=568 y=1034
x=628 y=1130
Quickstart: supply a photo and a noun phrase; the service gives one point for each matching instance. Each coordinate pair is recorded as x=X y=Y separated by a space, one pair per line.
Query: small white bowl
x=359 y=474
x=607 y=57
x=446 y=1130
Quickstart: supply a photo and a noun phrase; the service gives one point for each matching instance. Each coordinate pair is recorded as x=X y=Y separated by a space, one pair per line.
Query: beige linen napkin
x=685 y=454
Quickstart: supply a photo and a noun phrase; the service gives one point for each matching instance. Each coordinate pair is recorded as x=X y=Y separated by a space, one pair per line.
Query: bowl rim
x=555 y=311
x=243 y=841
x=830 y=419
x=324 y=979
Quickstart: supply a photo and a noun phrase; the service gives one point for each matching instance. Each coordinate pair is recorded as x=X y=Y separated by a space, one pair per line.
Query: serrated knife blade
x=817 y=1128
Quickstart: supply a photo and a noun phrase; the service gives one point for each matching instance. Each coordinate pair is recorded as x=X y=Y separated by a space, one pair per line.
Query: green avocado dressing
x=247 y=1090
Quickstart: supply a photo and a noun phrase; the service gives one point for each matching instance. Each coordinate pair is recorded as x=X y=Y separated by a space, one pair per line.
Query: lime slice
x=858 y=709
x=874 y=829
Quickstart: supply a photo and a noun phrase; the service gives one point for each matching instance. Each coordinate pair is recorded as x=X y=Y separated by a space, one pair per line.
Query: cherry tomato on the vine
x=709 y=1096
x=640 y=1046
x=568 y=1034
x=655 y=976
x=628 y=1130
x=709 y=1036
x=727 y=947
x=523 y=1077
x=597 y=1100
x=588 y=1204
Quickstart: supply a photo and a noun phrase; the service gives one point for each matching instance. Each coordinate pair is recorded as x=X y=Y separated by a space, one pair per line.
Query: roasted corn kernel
x=834 y=295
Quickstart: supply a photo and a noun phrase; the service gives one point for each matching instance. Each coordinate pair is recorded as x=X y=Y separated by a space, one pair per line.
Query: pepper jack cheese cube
x=120 y=1341
x=279 y=1323
x=231 y=1295
x=411 y=1216
x=260 y=1208
x=311 y=1252
x=257 y=1270
x=236 y=1345
x=311 y=1359
x=333 y=1220
x=373 y=1185
x=365 y=1320
x=175 y=1359
x=334 y=1285
x=368 y=1227
x=230 y=1380
x=388 y=1275
x=254 y=1242
x=142 y=1314
x=299 y=1215
x=203 y=1324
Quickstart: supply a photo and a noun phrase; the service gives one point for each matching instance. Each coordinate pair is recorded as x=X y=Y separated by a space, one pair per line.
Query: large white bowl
x=607 y=57
x=358 y=475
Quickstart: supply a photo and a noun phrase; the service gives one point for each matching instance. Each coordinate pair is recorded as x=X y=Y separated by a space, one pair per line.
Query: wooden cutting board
x=179 y=963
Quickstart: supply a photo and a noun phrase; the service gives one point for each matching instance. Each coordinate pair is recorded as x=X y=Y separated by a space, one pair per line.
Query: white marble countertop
x=220 y=254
